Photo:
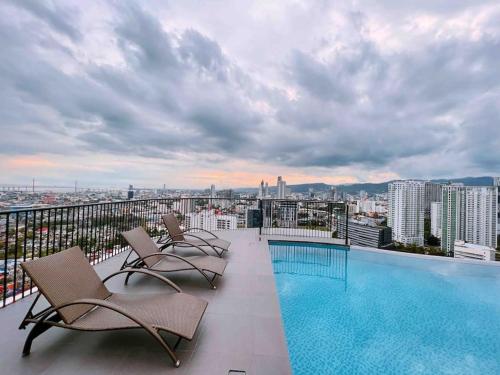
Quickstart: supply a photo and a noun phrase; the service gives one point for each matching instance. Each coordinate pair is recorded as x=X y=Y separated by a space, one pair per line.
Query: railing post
x=346 y=224
x=261 y=217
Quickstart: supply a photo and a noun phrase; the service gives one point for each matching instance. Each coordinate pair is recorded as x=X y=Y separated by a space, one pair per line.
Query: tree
x=427 y=228
x=433 y=241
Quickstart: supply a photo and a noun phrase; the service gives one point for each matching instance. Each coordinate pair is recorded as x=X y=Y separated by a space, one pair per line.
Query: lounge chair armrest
x=146 y=272
x=153 y=255
x=201 y=229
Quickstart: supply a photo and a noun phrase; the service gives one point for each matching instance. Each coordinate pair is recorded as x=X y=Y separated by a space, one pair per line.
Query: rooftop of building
x=241 y=329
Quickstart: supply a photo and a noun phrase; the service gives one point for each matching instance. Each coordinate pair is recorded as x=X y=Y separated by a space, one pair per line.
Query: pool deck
x=241 y=330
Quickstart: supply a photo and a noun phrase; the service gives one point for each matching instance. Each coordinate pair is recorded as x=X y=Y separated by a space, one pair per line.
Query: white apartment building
x=208 y=220
x=353 y=208
x=184 y=205
x=287 y=214
x=406 y=211
x=473 y=251
x=436 y=219
x=496 y=182
x=371 y=206
x=281 y=185
x=481 y=215
x=452 y=216
x=260 y=193
x=366 y=206
x=469 y=214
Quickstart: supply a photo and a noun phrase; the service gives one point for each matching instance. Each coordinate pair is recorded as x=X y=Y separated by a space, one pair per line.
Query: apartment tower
x=281 y=185
x=406 y=211
x=436 y=219
x=481 y=215
x=452 y=216
x=496 y=183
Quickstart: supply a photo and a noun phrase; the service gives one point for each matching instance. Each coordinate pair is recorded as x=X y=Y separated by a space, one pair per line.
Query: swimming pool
x=363 y=312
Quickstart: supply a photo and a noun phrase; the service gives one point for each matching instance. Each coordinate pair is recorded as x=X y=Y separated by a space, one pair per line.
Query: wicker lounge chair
x=177 y=236
x=151 y=258
x=79 y=300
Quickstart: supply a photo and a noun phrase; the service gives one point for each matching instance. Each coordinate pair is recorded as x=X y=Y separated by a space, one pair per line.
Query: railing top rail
x=5 y=212
x=22 y=210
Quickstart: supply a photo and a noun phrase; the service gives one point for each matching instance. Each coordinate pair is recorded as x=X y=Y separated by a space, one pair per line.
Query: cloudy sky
x=190 y=93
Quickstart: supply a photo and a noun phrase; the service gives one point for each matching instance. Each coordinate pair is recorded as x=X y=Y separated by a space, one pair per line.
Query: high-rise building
x=266 y=190
x=496 y=182
x=281 y=185
x=436 y=219
x=130 y=193
x=469 y=214
x=406 y=211
x=481 y=215
x=452 y=216
x=432 y=194
x=332 y=194
x=212 y=191
x=260 y=193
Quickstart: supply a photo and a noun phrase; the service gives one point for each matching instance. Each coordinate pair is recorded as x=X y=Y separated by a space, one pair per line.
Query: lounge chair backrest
x=143 y=245
x=174 y=230
x=65 y=277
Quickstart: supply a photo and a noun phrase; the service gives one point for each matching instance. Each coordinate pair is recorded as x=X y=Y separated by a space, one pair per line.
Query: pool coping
x=334 y=241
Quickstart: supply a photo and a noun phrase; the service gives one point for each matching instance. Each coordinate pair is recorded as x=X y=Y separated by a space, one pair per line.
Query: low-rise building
x=208 y=220
x=362 y=234
x=473 y=251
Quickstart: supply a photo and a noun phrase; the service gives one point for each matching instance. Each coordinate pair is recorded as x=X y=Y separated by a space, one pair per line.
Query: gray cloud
x=171 y=89
x=55 y=16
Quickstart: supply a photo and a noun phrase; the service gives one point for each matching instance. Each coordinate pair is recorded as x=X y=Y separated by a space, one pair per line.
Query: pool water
x=361 y=312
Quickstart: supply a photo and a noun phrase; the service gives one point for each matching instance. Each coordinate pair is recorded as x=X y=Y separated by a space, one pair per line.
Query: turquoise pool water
x=361 y=312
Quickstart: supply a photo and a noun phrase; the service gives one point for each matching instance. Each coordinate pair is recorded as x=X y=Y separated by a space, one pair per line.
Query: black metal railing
x=302 y=218
x=310 y=259
x=31 y=233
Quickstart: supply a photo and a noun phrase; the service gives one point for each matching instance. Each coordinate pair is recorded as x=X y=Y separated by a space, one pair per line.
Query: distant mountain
x=371 y=188
x=383 y=186
x=304 y=188
x=469 y=181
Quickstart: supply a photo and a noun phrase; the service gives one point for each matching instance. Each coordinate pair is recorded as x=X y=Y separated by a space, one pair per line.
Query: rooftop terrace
x=241 y=329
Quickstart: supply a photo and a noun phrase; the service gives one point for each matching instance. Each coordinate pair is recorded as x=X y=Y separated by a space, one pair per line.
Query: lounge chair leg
x=40 y=327
x=165 y=346
x=212 y=282
x=177 y=343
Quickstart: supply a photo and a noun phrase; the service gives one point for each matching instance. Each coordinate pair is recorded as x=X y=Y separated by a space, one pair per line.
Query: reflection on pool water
x=361 y=312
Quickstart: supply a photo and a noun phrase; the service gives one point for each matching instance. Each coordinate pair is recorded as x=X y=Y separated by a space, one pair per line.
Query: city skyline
x=40 y=185
x=339 y=92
